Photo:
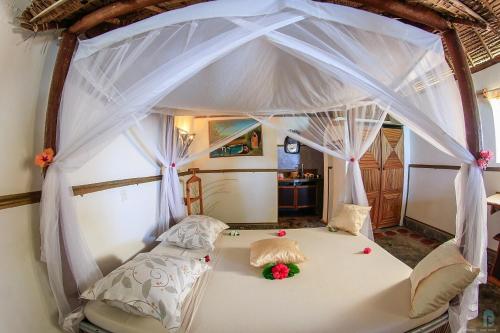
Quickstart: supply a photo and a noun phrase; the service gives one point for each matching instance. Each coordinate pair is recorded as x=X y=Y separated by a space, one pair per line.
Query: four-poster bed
x=334 y=72
x=364 y=299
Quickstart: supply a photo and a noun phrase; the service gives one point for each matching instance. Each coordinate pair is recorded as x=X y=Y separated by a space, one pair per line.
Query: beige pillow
x=440 y=276
x=275 y=250
x=350 y=218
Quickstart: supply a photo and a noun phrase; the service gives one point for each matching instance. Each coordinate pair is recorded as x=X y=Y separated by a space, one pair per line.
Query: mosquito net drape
x=169 y=152
x=334 y=70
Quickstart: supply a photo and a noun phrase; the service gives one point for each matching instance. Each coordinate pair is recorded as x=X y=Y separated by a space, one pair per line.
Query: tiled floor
x=411 y=247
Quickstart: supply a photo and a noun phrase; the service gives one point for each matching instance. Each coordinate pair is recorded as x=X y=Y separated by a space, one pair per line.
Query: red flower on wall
x=44 y=158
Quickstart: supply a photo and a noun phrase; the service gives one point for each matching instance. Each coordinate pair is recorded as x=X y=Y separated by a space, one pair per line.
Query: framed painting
x=249 y=144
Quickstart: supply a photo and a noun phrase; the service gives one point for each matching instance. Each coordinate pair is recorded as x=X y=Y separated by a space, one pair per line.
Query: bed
x=339 y=289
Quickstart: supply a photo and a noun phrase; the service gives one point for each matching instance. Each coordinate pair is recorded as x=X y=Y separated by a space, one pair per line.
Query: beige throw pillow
x=275 y=250
x=351 y=218
x=440 y=276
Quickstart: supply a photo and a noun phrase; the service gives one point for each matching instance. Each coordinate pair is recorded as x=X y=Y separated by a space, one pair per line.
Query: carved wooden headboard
x=194 y=194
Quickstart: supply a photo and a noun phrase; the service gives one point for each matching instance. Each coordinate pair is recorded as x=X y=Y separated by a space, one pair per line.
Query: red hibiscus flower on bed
x=281 y=233
x=280 y=271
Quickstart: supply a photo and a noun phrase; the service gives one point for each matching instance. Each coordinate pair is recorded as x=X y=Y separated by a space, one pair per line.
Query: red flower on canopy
x=44 y=158
x=484 y=157
x=280 y=271
x=281 y=233
x=207 y=258
x=486 y=154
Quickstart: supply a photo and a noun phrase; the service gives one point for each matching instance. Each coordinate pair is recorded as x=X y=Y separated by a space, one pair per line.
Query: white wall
x=26 y=304
x=431 y=196
x=239 y=197
x=120 y=222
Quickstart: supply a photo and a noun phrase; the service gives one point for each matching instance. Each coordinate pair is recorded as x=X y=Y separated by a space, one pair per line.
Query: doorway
x=300 y=185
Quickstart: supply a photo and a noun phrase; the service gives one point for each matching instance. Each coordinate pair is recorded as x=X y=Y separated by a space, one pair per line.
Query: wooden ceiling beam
x=483 y=42
x=155 y=9
x=415 y=13
x=110 y=11
x=463 y=21
x=48 y=10
x=467 y=10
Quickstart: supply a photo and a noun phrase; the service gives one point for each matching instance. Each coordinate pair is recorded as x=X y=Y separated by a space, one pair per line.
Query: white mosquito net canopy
x=330 y=75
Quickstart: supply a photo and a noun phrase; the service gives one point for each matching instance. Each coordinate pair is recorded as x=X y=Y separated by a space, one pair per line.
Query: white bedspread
x=339 y=289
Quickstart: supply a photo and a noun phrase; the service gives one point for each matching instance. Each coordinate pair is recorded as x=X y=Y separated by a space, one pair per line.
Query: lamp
x=184 y=140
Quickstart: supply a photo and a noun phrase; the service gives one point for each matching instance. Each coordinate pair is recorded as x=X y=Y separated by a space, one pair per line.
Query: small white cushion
x=350 y=218
x=275 y=250
x=440 y=276
x=194 y=232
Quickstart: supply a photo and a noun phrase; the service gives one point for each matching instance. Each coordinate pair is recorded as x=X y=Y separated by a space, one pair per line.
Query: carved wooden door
x=370 y=171
x=383 y=171
x=391 y=140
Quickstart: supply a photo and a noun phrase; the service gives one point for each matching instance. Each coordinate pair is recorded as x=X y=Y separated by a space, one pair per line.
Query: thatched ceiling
x=477 y=21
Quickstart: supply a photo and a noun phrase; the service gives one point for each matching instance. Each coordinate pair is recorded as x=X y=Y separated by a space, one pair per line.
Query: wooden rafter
x=469 y=58
x=463 y=21
x=48 y=10
x=155 y=9
x=415 y=13
x=465 y=9
x=483 y=42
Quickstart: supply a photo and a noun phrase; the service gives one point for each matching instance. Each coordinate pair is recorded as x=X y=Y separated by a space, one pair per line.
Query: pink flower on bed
x=280 y=271
x=367 y=250
x=281 y=233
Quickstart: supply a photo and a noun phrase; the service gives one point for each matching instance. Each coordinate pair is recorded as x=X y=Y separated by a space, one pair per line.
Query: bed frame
x=438 y=325
x=450 y=35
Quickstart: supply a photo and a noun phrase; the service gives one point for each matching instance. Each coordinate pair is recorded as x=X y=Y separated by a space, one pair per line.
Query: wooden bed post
x=61 y=68
x=468 y=96
x=467 y=92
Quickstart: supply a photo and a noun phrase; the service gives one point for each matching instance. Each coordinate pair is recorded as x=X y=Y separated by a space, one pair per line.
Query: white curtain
x=169 y=152
x=256 y=59
x=345 y=133
x=166 y=152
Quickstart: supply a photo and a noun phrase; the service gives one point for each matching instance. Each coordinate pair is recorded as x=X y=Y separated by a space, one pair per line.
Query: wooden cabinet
x=382 y=169
x=298 y=194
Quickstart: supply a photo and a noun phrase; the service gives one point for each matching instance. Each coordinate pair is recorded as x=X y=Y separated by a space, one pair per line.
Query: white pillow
x=440 y=276
x=351 y=218
x=150 y=285
x=166 y=249
x=194 y=232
